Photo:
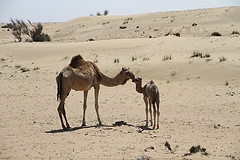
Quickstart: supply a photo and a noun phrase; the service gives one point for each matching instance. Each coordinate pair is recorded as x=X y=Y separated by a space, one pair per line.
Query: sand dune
x=200 y=97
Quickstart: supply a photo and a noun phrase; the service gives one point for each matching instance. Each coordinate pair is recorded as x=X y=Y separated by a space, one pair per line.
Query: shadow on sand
x=70 y=129
x=116 y=124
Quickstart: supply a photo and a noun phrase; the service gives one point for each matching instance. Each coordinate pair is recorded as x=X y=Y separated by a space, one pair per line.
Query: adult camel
x=81 y=75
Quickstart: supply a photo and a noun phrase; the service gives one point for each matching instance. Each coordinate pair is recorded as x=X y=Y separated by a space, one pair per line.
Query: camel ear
x=124 y=69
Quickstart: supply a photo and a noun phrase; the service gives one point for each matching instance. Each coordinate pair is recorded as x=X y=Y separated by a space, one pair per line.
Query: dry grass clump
x=167 y=57
x=146 y=59
x=222 y=59
x=216 y=34
x=116 y=60
x=134 y=58
x=199 y=54
x=196 y=149
x=235 y=32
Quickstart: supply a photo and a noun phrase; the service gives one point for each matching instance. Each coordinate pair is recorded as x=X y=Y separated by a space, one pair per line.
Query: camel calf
x=150 y=95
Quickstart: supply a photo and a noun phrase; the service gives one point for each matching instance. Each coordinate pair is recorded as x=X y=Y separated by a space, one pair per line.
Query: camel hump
x=76 y=61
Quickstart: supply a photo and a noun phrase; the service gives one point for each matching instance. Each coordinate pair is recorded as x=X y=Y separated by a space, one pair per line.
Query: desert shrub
x=122 y=27
x=173 y=73
x=226 y=83
x=207 y=55
x=196 y=149
x=222 y=59
x=146 y=59
x=23 y=69
x=216 y=34
x=134 y=58
x=235 y=32
x=116 y=60
x=208 y=60
x=35 y=32
x=129 y=19
x=36 y=68
x=167 y=57
x=199 y=54
x=106 y=12
x=8 y=25
x=196 y=54
x=175 y=34
x=17 y=30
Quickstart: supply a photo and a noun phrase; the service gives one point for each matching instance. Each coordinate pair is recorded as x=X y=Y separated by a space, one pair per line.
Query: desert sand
x=200 y=97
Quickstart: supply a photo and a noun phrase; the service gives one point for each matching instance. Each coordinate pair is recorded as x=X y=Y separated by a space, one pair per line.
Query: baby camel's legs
x=146 y=109
x=158 y=115
x=150 y=110
x=154 y=114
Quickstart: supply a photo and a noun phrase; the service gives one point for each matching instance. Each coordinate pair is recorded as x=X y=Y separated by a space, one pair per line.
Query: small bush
x=122 y=27
x=23 y=69
x=235 y=32
x=129 y=19
x=222 y=59
x=226 y=83
x=116 y=60
x=106 y=12
x=35 y=32
x=167 y=57
x=199 y=54
x=207 y=55
x=134 y=58
x=216 y=34
x=173 y=73
x=145 y=59
x=8 y=25
x=98 y=14
x=36 y=68
x=196 y=149
x=208 y=60
x=196 y=54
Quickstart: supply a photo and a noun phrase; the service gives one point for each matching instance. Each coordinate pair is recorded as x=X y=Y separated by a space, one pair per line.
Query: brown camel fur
x=81 y=75
x=150 y=95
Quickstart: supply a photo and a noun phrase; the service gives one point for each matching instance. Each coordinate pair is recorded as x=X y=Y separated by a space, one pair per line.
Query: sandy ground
x=200 y=97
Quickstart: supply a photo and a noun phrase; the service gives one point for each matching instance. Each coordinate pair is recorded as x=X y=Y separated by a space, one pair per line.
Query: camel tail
x=59 y=86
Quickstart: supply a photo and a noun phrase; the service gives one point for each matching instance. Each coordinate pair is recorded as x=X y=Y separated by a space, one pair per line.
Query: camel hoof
x=100 y=124
x=84 y=125
x=66 y=128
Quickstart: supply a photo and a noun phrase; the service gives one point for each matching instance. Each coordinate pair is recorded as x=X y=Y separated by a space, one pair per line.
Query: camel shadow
x=85 y=127
x=143 y=128
x=71 y=129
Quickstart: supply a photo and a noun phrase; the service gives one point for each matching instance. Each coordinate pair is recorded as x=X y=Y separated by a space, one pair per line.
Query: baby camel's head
x=137 y=80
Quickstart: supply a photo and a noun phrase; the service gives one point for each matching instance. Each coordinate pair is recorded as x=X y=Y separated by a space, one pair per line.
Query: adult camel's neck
x=111 y=82
x=139 y=87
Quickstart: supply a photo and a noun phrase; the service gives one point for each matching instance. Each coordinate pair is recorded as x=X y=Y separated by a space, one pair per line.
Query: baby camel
x=150 y=95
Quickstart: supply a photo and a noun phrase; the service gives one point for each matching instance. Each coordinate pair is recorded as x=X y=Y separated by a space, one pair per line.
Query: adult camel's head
x=126 y=75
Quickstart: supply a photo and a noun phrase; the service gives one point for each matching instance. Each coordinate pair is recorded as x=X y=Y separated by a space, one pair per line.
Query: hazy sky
x=64 y=10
